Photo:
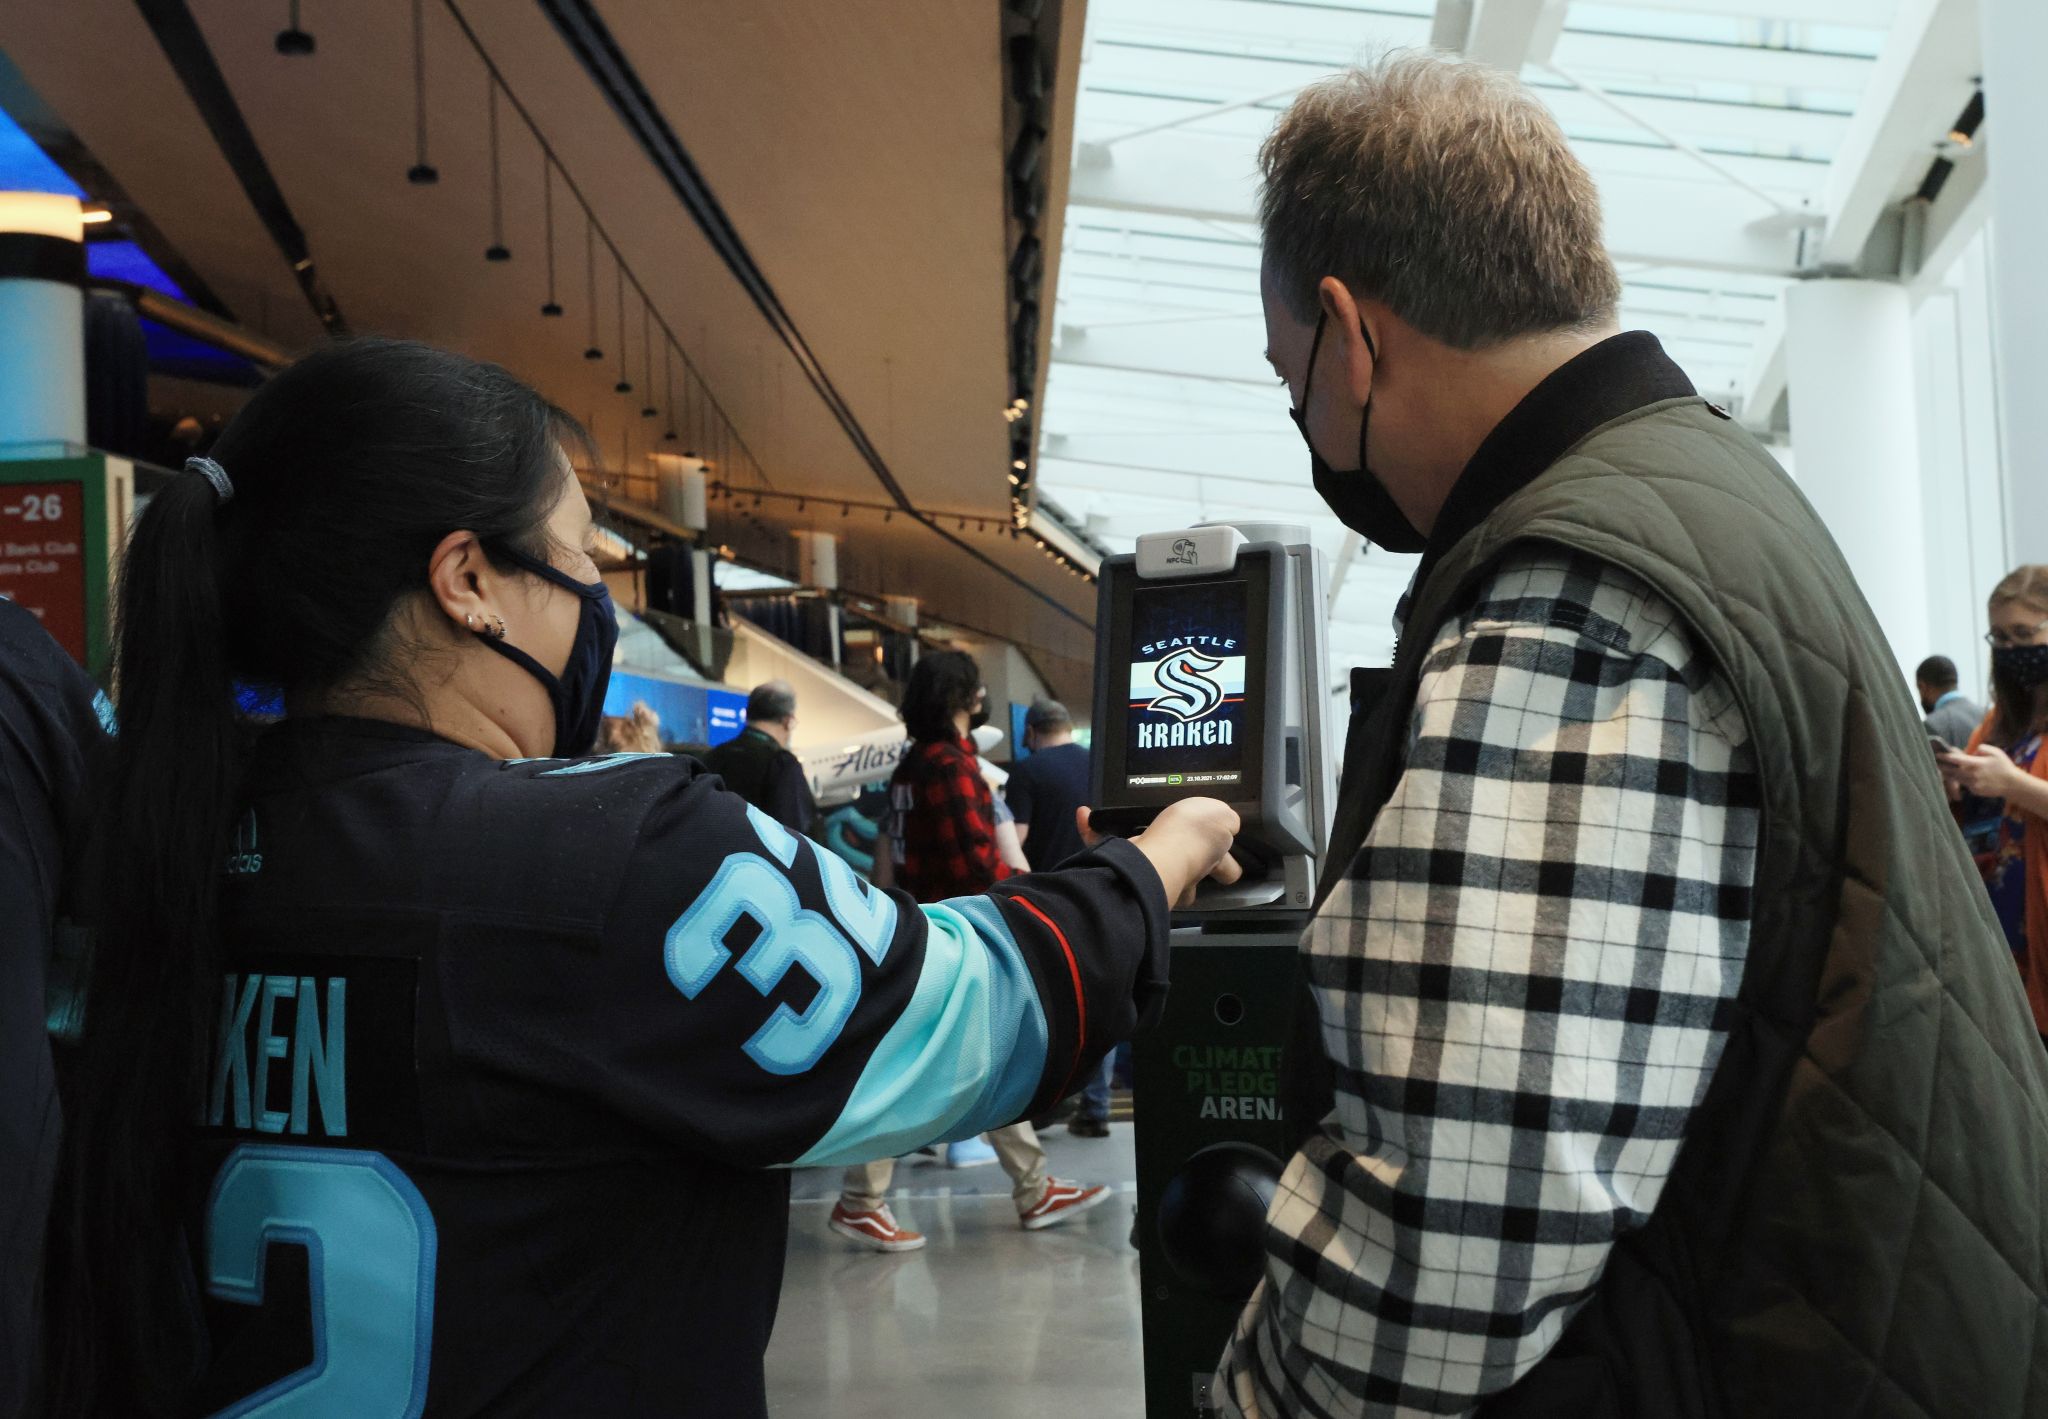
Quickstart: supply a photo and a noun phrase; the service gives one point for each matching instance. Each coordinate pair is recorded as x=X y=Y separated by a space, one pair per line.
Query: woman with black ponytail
x=429 y=1067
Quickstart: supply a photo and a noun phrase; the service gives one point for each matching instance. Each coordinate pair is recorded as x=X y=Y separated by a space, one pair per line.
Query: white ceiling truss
x=1738 y=145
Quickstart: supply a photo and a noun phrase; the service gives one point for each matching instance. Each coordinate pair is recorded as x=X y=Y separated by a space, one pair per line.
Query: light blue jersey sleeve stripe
x=965 y=1055
x=594 y=766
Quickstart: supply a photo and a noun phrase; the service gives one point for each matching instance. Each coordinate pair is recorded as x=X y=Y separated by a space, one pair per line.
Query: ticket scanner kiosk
x=1211 y=680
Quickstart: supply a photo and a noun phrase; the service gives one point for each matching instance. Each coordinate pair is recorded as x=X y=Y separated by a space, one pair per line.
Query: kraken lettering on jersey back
x=277 y=1041
x=1186 y=708
x=315 y=1047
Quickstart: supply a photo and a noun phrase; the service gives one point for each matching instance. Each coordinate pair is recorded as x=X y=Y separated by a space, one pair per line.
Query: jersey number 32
x=790 y=935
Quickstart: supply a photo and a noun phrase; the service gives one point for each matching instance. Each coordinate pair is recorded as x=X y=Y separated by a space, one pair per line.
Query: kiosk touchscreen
x=1211 y=679
x=1186 y=725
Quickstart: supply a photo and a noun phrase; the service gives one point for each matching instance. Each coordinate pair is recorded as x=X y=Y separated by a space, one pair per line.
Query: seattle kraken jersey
x=508 y=1054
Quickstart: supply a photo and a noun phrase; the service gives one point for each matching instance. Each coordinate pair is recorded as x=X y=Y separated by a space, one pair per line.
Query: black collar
x=1619 y=375
x=332 y=728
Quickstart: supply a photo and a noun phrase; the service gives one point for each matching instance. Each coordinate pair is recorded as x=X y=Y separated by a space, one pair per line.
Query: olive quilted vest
x=1856 y=1224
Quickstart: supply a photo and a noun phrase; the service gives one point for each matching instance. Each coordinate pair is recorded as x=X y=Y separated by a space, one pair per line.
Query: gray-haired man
x=1680 y=1066
x=757 y=765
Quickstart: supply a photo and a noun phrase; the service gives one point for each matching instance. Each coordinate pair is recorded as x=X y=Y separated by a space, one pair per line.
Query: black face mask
x=2025 y=665
x=578 y=692
x=1360 y=500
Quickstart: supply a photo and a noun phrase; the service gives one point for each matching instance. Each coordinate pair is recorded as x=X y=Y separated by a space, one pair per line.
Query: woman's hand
x=1188 y=841
x=1988 y=773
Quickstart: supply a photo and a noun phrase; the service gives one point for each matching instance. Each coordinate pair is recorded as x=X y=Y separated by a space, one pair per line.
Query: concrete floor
x=988 y=1321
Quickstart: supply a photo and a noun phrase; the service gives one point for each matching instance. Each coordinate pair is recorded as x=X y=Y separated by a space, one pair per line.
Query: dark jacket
x=768 y=776
x=47 y=731
x=1043 y=791
x=1855 y=1221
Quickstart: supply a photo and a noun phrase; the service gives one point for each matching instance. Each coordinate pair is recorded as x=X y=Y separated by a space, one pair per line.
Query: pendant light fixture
x=668 y=380
x=422 y=173
x=497 y=250
x=591 y=351
x=647 y=410
x=624 y=386
x=547 y=203
x=696 y=438
x=702 y=431
x=291 y=40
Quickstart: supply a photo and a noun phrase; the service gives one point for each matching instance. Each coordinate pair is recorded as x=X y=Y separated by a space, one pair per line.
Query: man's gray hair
x=771 y=700
x=1445 y=190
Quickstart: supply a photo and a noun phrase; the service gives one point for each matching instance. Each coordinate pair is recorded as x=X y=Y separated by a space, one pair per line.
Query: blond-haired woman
x=2005 y=764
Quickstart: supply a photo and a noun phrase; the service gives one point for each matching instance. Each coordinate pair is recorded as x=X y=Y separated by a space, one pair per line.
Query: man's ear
x=463 y=583
x=1344 y=324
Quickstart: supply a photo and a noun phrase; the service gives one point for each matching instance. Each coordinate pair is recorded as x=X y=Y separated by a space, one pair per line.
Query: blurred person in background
x=2004 y=768
x=635 y=733
x=986 y=739
x=1045 y=788
x=1952 y=716
x=940 y=842
x=1048 y=784
x=757 y=765
x=1009 y=844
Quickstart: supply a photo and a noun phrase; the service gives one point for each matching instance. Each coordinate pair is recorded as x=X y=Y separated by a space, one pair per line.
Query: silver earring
x=497 y=631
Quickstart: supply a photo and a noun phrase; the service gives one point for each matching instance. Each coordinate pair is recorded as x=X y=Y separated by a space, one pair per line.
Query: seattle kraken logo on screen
x=1191 y=693
x=1186 y=698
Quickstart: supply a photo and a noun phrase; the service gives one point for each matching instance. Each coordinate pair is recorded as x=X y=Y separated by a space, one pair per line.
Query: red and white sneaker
x=876 y=1229
x=1061 y=1200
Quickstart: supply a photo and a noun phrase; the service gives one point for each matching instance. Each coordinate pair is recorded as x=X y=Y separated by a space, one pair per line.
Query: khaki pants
x=1017 y=1149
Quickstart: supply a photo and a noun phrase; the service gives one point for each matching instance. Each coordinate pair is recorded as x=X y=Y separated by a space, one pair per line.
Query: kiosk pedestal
x=1213 y=1134
x=1212 y=681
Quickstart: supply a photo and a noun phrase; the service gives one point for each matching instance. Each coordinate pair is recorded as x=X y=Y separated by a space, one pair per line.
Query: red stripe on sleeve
x=1080 y=1001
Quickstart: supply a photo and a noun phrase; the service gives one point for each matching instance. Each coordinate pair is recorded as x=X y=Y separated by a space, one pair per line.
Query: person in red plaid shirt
x=941 y=832
x=941 y=823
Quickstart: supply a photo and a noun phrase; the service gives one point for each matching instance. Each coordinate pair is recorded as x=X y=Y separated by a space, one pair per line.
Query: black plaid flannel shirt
x=1524 y=990
x=942 y=823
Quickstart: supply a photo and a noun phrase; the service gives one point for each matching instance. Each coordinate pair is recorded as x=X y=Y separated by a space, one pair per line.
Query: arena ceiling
x=1738 y=145
x=859 y=166
x=858 y=159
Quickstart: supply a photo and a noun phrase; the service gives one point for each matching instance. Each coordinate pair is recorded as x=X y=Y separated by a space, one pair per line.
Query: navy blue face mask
x=578 y=692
